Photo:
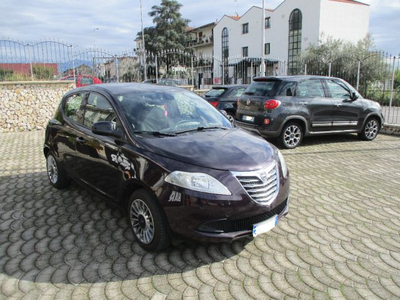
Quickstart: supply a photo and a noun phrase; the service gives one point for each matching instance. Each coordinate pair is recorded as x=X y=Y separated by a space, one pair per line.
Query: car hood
x=232 y=150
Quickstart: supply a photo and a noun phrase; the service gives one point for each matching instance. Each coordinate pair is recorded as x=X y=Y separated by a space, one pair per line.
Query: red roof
x=234 y=17
x=351 y=2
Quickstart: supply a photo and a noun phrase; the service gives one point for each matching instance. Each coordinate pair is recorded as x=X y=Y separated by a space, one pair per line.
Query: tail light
x=214 y=103
x=272 y=104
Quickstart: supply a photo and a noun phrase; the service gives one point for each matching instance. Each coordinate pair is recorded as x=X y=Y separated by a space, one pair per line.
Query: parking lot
x=341 y=239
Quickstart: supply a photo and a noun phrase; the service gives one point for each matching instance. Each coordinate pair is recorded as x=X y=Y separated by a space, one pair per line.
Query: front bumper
x=211 y=218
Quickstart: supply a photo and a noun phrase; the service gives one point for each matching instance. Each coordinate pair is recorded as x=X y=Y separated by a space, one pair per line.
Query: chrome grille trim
x=259 y=190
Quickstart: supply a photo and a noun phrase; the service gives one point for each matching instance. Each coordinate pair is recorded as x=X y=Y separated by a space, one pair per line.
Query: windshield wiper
x=200 y=128
x=155 y=133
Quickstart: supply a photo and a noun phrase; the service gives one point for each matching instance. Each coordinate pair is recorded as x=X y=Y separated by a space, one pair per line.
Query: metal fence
x=376 y=76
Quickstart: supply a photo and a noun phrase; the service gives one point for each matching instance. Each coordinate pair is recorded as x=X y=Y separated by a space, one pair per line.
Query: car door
x=96 y=166
x=347 y=112
x=313 y=105
x=65 y=138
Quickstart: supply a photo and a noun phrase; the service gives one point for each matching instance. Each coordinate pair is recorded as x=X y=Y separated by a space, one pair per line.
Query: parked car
x=291 y=107
x=83 y=80
x=175 y=164
x=225 y=97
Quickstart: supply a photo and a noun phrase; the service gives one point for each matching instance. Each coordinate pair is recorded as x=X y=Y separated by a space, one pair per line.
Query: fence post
x=30 y=60
x=156 y=69
x=73 y=62
x=358 y=75
x=305 y=69
x=392 y=86
x=329 y=70
x=191 y=65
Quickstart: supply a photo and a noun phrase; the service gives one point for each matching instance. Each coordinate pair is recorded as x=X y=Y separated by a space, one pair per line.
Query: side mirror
x=105 y=128
x=354 y=96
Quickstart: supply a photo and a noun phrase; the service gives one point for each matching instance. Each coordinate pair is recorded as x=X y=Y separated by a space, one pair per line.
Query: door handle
x=81 y=140
x=303 y=103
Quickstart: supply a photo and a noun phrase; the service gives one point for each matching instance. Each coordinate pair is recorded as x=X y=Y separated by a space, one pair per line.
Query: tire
x=231 y=118
x=58 y=177
x=148 y=222
x=291 y=135
x=370 y=129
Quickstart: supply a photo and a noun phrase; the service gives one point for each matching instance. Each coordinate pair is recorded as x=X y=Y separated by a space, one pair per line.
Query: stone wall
x=28 y=106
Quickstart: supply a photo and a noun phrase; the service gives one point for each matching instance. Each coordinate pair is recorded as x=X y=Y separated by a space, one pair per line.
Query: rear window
x=262 y=88
x=215 y=92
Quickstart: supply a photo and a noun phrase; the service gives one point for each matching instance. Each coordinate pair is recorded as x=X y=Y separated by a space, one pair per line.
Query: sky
x=118 y=21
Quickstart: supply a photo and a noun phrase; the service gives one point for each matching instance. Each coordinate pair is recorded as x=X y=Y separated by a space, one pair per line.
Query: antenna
x=236 y=8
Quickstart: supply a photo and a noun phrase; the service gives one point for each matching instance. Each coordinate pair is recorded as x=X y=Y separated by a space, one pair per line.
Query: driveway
x=340 y=240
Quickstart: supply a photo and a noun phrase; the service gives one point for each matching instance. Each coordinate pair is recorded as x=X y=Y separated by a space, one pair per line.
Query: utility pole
x=263 y=40
x=143 y=46
x=94 y=38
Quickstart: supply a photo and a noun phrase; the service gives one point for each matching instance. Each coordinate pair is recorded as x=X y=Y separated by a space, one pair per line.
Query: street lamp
x=143 y=47
x=263 y=40
x=94 y=37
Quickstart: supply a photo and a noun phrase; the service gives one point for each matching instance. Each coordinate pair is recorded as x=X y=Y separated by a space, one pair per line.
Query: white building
x=289 y=29
x=201 y=43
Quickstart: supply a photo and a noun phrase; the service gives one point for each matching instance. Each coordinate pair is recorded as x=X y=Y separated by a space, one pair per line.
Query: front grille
x=262 y=185
x=246 y=224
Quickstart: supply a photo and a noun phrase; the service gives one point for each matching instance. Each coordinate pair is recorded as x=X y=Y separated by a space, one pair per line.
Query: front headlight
x=199 y=182
x=283 y=164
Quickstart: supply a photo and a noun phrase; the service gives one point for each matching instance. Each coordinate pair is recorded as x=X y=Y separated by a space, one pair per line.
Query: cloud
x=118 y=21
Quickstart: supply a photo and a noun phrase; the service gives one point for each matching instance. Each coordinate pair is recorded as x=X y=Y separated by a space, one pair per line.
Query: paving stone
x=339 y=241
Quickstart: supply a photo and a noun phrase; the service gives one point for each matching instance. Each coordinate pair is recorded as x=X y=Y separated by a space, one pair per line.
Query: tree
x=343 y=59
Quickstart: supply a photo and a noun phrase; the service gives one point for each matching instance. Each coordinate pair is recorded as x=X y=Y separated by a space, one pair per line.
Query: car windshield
x=169 y=112
x=262 y=88
x=215 y=92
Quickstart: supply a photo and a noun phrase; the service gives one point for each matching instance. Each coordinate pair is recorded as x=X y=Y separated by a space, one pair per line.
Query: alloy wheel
x=371 y=129
x=52 y=169
x=142 y=221
x=292 y=136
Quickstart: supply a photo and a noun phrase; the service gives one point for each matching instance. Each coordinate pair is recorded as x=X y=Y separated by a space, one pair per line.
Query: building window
x=245 y=28
x=245 y=51
x=268 y=22
x=225 y=55
x=295 y=28
x=267 y=48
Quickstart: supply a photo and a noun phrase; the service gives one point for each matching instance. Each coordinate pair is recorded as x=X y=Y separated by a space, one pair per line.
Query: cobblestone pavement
x=340 y=240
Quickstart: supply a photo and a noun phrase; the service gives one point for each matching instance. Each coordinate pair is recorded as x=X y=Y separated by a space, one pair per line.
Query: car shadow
x=321 y=140
x=72 y=236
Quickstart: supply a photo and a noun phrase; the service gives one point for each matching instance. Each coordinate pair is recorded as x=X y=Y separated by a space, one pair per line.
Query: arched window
x=225 y=55
x=295 y=27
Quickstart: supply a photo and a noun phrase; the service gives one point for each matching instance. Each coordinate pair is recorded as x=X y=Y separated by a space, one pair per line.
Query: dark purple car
x=172 y=161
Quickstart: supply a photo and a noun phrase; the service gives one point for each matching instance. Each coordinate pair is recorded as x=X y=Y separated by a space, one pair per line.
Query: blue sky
x=73 y=22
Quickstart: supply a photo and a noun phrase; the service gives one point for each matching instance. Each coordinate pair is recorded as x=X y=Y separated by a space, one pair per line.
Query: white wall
x=346 y=21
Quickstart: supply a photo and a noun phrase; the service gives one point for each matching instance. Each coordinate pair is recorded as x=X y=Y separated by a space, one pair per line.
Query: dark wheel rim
x=371 y=129
x=142 y=221
x=52 y=169
x=292 y=136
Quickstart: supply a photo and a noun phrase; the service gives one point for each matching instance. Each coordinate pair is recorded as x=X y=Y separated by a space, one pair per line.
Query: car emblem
x=263 y=176
x=248 y=102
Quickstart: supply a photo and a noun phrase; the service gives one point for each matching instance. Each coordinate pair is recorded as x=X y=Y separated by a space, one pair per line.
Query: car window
x=287 y=88
x=73 y=107
x=310 y=89
x=262 y=88
x=97 y=109
x=237 y=92
x=169 y=112
x=215 y=92
x=86 y=80
x=338 y=90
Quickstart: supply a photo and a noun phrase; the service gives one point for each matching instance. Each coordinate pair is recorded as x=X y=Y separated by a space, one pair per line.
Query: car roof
x=122 y=88
x=293 y=77
x=229 y=86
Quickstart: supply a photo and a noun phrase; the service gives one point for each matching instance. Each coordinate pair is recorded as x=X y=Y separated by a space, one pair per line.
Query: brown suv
x=291 y=107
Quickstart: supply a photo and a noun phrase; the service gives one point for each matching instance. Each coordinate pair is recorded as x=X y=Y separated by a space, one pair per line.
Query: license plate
x=248 y=118
x=265 y=226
